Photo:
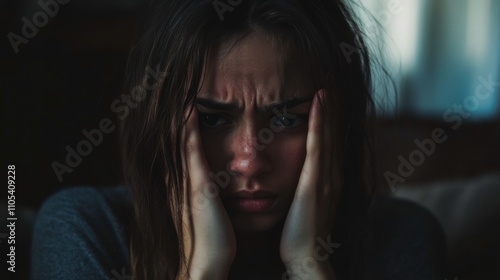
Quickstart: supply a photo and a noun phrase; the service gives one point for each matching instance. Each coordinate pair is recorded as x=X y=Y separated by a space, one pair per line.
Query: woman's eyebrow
x=223 y=106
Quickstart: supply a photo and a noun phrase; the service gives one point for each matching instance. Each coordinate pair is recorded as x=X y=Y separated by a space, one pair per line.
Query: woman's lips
x=250 y=202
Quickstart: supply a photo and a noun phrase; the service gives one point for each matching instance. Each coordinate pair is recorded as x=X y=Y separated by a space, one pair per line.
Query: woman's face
x=254 y=147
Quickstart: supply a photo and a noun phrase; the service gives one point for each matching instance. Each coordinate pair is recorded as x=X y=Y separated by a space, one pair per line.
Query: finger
x=204 y=192
x=197 y=165
x=329 y=165
x=309 y=177
x=327 y=133
x=196 y=168
x=330 y=161
x=303 y=213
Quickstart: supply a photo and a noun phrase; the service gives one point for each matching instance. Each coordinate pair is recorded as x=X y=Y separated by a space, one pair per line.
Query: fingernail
x=322 y=99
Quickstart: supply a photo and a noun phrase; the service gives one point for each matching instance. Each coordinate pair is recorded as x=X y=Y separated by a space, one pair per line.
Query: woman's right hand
x=209 y=240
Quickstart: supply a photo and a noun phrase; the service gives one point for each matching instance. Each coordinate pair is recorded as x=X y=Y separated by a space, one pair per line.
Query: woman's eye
x=211 y=120
x=288 y=122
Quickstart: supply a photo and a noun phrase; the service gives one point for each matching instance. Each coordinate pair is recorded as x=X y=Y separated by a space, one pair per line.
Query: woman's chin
x=255 y=215
x=253 y=223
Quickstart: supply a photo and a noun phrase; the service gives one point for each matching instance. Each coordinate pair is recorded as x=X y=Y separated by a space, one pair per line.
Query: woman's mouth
x=247 y=202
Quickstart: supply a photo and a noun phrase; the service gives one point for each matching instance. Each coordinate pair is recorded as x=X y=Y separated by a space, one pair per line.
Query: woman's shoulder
x=82 y=233
x=86 y=202
x=409 y=239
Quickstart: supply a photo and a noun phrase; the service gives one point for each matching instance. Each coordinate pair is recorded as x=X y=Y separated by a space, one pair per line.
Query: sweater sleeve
x=410 y=240
x=82 y=233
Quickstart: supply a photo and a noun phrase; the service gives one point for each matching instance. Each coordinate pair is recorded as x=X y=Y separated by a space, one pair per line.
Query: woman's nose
x=249 y=157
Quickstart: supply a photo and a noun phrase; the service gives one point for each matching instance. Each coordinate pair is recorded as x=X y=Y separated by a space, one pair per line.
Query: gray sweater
x=82 y=233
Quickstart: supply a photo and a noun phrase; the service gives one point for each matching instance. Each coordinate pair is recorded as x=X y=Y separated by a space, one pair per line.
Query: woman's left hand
x=312 y=212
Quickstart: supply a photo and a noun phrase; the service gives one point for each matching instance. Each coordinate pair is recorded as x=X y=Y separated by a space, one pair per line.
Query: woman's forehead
x=254 y=72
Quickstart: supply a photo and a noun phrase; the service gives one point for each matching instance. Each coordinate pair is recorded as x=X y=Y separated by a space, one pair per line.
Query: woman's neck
x=254 y=243
x=258 y=255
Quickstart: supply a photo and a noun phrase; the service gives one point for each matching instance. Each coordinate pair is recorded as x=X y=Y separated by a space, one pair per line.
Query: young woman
x=247 y=151
x=253 y=147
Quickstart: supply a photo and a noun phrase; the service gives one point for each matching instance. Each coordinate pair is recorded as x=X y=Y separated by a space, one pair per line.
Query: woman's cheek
x=289 y=151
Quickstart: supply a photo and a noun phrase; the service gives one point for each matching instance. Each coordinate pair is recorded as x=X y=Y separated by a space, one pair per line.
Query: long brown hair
x=178 y=40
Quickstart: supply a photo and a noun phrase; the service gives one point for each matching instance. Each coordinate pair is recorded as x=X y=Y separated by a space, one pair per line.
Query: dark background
x=61 y=82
